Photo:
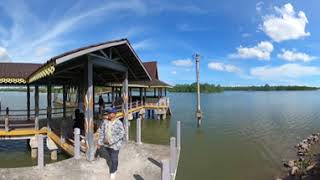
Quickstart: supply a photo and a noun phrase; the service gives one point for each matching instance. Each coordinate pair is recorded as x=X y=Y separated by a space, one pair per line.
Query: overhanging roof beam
x=118 y=53
x=108 y=64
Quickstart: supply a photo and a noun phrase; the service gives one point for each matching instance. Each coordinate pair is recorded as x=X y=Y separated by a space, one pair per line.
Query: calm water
x=244 y=135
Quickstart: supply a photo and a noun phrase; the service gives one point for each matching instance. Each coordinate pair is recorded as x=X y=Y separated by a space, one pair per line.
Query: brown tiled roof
x=152 y=69
x=17 y=70
x=84 y=48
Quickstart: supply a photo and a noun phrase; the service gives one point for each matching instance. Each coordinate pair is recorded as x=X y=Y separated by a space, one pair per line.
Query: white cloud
x=259 y=6
x=245 y=35
x=143 y=45
x=286 y=25
x=183 y=62
x=295 y=56
x=4 y=57
x=50 y=32
x=173 y=72
x=285 y=71
x=261 y=51
x=42 y=50
x=216 y=66
x=190 y=28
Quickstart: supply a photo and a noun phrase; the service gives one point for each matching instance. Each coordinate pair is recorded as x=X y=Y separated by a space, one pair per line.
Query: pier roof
x=109 y=59
x=16 y=73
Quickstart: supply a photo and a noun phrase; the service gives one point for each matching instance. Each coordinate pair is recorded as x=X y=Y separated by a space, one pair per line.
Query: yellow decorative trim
x=44 y=72
x=12 y=81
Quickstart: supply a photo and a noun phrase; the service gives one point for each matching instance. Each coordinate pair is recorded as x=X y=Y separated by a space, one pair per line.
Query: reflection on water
x=243 y=136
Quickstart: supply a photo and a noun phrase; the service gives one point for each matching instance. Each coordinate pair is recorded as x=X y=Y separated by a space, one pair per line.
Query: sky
x=248 y=42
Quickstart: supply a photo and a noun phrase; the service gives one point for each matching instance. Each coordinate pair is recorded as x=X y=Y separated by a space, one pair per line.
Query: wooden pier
x=133 y=89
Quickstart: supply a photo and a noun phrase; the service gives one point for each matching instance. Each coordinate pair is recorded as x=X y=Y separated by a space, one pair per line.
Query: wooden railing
x=20 y=118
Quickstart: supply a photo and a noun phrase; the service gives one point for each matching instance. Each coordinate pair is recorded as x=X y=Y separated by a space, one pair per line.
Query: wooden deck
x=24 y=129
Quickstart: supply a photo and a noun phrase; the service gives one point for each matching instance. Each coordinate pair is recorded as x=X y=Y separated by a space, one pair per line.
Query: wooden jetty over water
x=114 y=65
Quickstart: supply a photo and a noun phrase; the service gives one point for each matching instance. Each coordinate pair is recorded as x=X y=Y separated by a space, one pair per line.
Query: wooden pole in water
x=198 y=111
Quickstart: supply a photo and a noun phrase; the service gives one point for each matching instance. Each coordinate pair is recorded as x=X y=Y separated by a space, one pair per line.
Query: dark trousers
x=113 y=159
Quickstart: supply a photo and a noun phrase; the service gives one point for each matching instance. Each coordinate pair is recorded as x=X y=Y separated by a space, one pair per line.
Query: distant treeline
x=211 y=88
x=206 y=88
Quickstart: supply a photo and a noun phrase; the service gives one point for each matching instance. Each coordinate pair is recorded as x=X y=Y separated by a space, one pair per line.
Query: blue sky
x=240 y=42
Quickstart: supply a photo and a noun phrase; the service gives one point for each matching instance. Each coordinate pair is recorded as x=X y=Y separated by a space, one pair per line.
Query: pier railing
x=23 y=118
x=169 y=166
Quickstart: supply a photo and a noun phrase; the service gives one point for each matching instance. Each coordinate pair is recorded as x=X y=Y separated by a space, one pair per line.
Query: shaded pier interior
x=112 y=67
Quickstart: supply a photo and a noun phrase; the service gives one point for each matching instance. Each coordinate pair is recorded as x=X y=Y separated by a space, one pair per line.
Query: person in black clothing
x=101 y=104
x=79 y=120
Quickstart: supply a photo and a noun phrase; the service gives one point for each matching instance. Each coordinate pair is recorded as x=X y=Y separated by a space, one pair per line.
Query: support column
x=154 y=92
x=112 y=95
x=93 y=97
x=165 y=92
x=140 y=94
x=88 y=76
x=64 y=99
x=49 y=105
x=36 y=107
x=130 y=96
x=82 y=93
x=28 y=101
x=145 y=96
x=125 y=102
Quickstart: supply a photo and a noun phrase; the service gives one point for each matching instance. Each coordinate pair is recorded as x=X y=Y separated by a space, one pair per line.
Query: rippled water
x=244 y=135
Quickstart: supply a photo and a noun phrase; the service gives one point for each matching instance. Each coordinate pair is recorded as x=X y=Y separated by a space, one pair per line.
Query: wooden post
x=112 y=96
x=64 y=99
x=145 y=96
x=40 y=151
x=28 y=101
x=198 y=112
x=6 y=120
x=93 y=97
x=125 y=103
x=154 y=92
x=165 y=170
x=178 y=135
x=173 y=156
x=130 y=96
x=139 y=130
x=76 y=143
x=49 y=107
x=36 y=107
x=140 y=94
x=89 y=110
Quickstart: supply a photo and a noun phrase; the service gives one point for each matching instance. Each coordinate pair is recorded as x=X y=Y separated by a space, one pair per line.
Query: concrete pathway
x=138 y=162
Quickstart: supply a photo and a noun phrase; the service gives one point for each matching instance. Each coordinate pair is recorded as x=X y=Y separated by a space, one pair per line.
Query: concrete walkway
x=138 y=162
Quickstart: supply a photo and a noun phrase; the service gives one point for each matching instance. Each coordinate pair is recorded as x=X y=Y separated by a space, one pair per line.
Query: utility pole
x=198 y=111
